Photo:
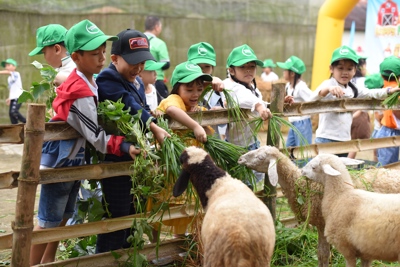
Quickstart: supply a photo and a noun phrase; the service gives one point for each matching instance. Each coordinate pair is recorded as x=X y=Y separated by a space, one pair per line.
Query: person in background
x=149 y=76
x=293 y=69
x=120 y=81
x=375 y=81
x=336 y=126
x=159 y=50
x=268 y=75
x=50 y=43
x=76 y=104
x=15 y=87
x=390 y=71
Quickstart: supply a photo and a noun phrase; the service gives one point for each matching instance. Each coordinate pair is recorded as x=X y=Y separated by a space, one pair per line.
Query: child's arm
x=216 y=83
x=264 y=112
x=159 y=133
x=5 y=72
x=181 y=116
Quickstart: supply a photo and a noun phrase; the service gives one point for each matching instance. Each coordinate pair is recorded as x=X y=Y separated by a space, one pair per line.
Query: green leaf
x=300 y=200
x=39 y=89
x=25 y=96
x=37 y=64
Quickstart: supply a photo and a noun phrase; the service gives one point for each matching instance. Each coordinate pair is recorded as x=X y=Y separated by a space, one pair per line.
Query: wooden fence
x=36 y=131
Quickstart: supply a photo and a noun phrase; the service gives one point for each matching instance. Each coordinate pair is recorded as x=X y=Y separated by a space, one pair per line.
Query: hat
x=152 y=65
x=344 y=52
x=390 y=65
x=86 y=36
x=373 y=81
x=48 y=35
x=269 y=63
x=202 y=53
x=187 y=72
x=241 y=55
x=294 y=64
x=132 y=46
x=8 y=61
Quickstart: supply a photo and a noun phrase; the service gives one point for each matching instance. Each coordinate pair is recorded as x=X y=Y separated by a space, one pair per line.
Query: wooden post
x=277 y=100
x=27 y=184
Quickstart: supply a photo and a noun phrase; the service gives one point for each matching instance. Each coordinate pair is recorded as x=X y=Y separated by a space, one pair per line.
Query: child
x=76 y=103
x=50 y=43
x=149 y=77
x=15 y=87
x=120 y=81
x=293 y=69
x=390 y=71
x=375 y=81
x=268 y=75
x=335 y=126
x=187 y=85
x=203 y=54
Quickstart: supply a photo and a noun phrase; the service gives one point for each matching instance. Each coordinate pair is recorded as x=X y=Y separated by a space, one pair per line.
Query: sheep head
x=263 y=160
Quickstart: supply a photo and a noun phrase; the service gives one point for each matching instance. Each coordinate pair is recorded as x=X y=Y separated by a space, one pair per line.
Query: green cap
x=344 y=52
x=269 y=63
x=202 y=53
x=86 y=36
x=241 y=55
x=152 y=65
x=187 y=72
x=390 y=65
x=48 y=35
x=8 y=61
x=373 y=81
x=294 y=64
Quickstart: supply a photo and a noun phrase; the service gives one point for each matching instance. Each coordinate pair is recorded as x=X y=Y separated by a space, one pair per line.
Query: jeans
x=305 y=128
x=321 y=140
x=389 y=154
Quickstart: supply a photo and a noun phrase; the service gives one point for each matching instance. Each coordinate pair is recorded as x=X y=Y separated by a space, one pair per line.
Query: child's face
x=245 y=73
x=128 y=72
x=190 y=92
x=52 y=55
x=9 y=67
x=206 y=68
x=267 y=70
x=286 y=75
x=90 y=62
x=148 y=76
x=344 y=71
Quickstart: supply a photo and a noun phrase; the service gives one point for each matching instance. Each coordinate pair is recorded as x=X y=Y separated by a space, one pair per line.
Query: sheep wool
x=359 y=223
x=237 y=230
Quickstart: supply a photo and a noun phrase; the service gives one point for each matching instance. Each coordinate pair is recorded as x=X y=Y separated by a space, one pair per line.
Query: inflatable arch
x=328 y=37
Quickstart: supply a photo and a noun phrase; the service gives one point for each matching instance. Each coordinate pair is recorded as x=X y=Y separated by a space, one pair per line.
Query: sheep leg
x=365 y=263
x=323 y=249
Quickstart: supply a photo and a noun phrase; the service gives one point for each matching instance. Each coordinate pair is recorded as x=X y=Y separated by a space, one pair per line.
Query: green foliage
x=393 y=99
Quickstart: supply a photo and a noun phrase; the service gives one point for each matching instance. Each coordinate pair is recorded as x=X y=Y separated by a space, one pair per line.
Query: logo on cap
x=247 y=52
x=192 y=67
x=91 y=28
x=202 y=51
x=344 y=51
x=138 y=42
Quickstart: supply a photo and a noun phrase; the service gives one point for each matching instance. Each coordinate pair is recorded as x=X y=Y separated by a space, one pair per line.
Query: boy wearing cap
x=268 y=75
x=76 y=104
x=335 y=126
x=50 y=43
x=15 y=87
x=149 y=77
x=120 y=81
x=390 y=71
x=293 y=68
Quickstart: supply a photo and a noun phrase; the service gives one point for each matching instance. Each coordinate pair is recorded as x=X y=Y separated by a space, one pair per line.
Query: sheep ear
x=273 y=172
x=181 y=184
x=329 y=170
x=349 y=161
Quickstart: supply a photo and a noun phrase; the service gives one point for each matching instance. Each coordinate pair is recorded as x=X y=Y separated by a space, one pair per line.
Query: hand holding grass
x=133 y=151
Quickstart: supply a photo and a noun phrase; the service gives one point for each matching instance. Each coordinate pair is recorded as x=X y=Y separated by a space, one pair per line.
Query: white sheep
x=237 y=229
x=270 y=159
x=360 y=224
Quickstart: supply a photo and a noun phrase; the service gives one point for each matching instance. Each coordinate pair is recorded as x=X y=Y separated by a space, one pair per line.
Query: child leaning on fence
x=336 y=126
x=76 y=104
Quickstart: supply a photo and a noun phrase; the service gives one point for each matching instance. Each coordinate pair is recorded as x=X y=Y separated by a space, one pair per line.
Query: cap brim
x=137 y=57
x=97 y=41
x=282 y=65
x=155 y=66
x=194 y=76
x=203 y=61
x=36 y=51
x=345 y=58
x=244 y=61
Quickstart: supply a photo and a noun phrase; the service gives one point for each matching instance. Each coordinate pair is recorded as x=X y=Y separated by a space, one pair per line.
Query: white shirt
x=301 y=93
x=151 y=98
x=14 y=85
x=67 y=66
x=269 y=77
x=337 y=125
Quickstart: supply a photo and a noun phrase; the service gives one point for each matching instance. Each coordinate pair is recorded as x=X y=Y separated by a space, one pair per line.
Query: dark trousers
x=118 y=198
x=162 y=90
x=13 y=112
